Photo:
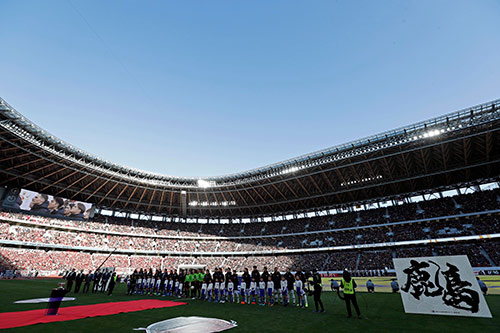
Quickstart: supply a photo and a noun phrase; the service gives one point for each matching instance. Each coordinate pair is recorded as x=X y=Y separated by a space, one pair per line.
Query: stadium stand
x=426 y=189
x=462 y=215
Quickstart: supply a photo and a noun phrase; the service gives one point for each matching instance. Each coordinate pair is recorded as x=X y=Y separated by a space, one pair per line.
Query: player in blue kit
x=204 y=287
x=138 y=289
x=210 y=289
x=253 y=290
x=270 y=291
x=284 y=290
x=230 y=288
x=299 y=288
x=157 y=286
x=222 y=289
x=216 y=290
x=176 y=287
x=262 y=292
x=170 y=286
x=243 y=292
x=179 y=289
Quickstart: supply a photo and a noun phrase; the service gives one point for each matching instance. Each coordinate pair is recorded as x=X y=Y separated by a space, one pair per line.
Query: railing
x=373 y=246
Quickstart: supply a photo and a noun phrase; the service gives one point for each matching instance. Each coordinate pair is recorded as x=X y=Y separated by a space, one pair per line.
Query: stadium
x=427 y=189
x=73 y=219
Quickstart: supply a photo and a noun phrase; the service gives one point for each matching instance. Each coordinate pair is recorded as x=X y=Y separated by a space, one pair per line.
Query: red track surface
x=25 y=318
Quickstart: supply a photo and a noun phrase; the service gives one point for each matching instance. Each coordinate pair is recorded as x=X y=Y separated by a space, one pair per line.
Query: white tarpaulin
x=42 y=300
x=440 y=286
x=190 y=325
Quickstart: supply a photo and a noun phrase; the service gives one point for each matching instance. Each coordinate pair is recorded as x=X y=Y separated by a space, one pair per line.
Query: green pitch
x=381 y=312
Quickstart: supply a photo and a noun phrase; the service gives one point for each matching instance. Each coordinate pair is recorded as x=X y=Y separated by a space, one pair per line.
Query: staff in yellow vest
x=349 y=286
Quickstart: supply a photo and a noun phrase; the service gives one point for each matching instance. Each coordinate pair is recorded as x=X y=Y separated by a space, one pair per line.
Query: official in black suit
x=70 y=278
x=88 y=279
x=78 y=281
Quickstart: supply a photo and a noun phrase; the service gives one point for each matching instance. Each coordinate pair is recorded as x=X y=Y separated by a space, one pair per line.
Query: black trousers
x=69 y=285
x=130 y=288
x=86 y=287
x=197 y=289
x=77 y=287
x=111 y=287
x=351 y=298
x=317 y=299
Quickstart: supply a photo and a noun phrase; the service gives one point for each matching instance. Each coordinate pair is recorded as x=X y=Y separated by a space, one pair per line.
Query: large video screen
x=47 y=205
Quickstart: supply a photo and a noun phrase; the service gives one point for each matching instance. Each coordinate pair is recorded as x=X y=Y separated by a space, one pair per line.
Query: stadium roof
x=459 y=147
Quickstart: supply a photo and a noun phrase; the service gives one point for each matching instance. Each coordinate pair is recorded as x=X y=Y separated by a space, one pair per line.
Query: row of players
x=263 y=288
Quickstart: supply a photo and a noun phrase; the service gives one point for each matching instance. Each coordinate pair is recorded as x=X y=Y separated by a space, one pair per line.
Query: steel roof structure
x=456 y=148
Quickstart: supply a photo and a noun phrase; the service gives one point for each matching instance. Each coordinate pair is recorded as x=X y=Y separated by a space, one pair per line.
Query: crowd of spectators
x=476 y=225
x=41 y=260
x=465 y=203
x=369 y=226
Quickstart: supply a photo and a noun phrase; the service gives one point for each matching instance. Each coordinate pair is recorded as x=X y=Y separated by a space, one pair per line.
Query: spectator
x=482 y=286
x=394 y=286
x=370 y=287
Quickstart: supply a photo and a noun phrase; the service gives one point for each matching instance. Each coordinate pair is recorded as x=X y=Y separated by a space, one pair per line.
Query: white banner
x=440 y=286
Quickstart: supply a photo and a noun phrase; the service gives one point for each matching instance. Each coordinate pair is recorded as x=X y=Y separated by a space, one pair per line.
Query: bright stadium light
x=204 y=184
x=212 y=203
x=292 y=169
x=431 y=133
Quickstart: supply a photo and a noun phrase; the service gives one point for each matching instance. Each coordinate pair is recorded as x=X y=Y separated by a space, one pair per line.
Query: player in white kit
x=216 y=290
x=204 y=287
x=243 y=292
x=270 y=291
x=262 y=292
x=210 y=289
x=222 y=289
x=284 y=290
x=170 y=286
x=253 y=290
x=299 y=288
x=230 y=288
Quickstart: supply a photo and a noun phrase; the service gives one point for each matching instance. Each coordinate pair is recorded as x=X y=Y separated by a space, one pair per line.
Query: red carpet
x=25 y=318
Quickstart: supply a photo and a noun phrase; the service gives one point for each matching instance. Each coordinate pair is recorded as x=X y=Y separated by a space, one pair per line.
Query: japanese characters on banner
x=440 y=286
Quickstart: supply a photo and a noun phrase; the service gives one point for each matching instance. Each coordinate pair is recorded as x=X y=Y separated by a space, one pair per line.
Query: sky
x=207 y=88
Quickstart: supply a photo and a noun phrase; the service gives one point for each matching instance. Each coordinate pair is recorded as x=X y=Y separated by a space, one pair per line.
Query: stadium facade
x=458 y=148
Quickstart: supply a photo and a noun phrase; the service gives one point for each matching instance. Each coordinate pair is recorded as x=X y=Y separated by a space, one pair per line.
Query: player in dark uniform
x=290 y=279
x=317 y=285
x=255 y=274
x=276 y=277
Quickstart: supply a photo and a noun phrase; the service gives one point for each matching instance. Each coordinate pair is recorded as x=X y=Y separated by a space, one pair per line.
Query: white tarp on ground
x=441 y=286
x=190 y=325
x=42 y=300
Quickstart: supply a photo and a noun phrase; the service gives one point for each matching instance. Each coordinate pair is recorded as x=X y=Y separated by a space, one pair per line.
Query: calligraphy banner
x=440 y=286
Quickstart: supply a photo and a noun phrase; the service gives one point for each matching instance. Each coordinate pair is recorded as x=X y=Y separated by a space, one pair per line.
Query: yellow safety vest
x=348 y=287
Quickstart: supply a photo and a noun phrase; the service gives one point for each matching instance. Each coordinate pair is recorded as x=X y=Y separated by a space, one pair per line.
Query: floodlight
x=203 y=183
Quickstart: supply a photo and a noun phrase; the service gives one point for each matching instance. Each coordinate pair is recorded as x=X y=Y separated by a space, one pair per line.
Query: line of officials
x=103 y=280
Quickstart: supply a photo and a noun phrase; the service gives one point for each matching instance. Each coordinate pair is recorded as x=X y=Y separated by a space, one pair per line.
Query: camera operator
x=317 y=285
